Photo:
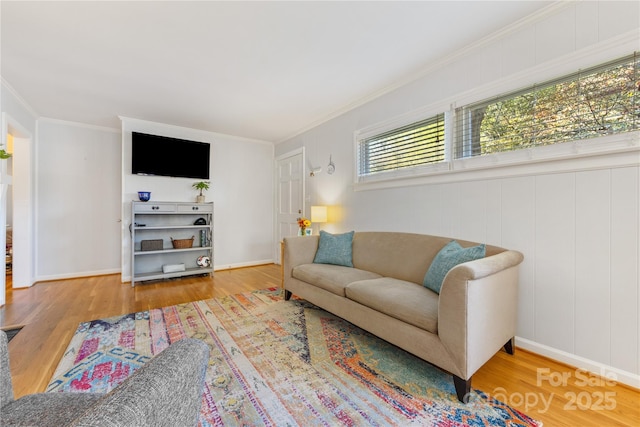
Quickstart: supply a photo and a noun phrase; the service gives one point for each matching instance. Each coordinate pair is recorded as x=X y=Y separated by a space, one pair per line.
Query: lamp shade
x=318 y=214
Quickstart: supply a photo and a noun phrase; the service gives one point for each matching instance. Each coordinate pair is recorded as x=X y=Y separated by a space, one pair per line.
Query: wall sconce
x=331 y=168
x=318 y=214
x=314 y=171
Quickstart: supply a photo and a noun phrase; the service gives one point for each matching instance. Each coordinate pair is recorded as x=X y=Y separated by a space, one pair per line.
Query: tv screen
x=164 y=156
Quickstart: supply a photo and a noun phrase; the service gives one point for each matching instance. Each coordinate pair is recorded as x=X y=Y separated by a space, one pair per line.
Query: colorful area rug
x=279 y=363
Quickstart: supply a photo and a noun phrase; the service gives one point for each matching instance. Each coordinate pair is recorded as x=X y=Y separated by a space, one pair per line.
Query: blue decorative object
x=335 y=249
x=144 y=196
x=448 y=257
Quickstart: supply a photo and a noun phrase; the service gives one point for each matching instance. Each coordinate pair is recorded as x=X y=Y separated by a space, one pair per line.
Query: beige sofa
x=458 y=330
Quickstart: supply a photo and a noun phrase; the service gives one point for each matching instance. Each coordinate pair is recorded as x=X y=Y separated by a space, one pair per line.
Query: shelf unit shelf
x=163 y=221
x=176 y=227
x=168 y=250
x=159 y=275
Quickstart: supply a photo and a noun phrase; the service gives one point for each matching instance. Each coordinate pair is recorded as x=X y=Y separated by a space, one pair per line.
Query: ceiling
x=263 y=70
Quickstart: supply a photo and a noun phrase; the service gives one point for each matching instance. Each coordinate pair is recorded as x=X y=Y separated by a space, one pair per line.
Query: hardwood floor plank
x=51 y=312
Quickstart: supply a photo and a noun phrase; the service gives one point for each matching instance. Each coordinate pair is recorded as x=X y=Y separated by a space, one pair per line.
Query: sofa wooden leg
x=287 y=295
x=510 y=347
x=463 y=388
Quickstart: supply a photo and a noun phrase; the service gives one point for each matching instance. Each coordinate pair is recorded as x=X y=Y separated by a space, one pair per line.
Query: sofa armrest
x=167 y=391
x=6 y=386
x=477 y=309
x=484 y=267
x=297 y=251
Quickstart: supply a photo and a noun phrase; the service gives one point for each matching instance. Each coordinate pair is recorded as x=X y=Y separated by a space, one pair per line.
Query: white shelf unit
x=166 y=220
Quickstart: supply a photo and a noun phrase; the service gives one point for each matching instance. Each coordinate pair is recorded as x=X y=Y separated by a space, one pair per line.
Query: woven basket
x=182 y=243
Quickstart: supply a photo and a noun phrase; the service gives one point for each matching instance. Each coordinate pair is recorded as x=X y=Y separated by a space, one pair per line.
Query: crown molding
x=204 y=133
x=78 y=124
x=20 y=99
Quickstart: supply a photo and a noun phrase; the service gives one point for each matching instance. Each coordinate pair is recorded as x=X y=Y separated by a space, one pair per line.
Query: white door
x=290 y=194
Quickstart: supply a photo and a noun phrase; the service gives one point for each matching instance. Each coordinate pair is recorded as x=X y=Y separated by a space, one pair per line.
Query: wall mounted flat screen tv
x=164 y=156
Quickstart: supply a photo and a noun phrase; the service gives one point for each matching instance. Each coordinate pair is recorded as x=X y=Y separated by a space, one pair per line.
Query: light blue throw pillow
x=448 y=257
x=335 y=249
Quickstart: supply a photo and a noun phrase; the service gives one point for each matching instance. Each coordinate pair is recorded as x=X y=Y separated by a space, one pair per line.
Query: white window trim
x=395 y=123
x=594 y=153
x=613 y=151
x=618 y=143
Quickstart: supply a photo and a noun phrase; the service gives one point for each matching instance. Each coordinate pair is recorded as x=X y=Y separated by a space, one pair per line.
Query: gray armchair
x=167 y=391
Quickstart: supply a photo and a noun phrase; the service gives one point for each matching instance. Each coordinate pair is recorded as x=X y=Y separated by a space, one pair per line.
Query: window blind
x=412 y=145
x=598 y=101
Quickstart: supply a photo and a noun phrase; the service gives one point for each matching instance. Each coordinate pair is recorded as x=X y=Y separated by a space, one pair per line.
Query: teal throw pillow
x=448 y=257
x=335 y=249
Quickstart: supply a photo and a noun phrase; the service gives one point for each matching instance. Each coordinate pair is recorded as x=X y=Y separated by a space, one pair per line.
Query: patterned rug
x=279 y=363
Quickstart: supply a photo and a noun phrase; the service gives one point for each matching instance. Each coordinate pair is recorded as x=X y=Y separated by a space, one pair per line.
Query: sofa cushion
x=448 y=257
x=332 y=278
x=406 y=301
x=335 y=249
x=404 y=256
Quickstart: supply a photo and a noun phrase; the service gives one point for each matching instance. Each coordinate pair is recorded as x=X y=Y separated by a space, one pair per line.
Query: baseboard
x=609 y=372
x=222 y=267
x=242 y=264
x=48 y=278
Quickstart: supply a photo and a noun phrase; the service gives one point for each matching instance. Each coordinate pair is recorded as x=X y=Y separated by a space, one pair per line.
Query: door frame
x=276 y=234
x=24 y=256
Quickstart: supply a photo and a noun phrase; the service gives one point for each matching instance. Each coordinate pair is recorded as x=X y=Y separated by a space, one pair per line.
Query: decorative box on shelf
x=173 y=268
x=151 y=245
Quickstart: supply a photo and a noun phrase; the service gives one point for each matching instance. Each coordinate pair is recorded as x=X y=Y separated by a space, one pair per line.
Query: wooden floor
x=551 y=392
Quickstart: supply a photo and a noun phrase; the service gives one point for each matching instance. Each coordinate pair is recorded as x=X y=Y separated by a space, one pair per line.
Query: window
x=577 y=120
x=599 y=101
x=416 y=144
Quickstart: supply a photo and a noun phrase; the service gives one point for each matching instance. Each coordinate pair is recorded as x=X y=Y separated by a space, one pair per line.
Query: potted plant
x=201 y=186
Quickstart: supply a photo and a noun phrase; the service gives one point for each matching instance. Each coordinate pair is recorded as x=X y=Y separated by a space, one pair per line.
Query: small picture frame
x=308 y=231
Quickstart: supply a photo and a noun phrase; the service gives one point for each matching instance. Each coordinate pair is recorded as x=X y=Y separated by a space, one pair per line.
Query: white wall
x=78 y=200
x=575 y=221
x=241 y=189
x=85 y=187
